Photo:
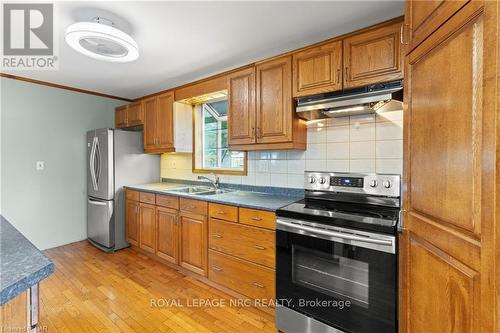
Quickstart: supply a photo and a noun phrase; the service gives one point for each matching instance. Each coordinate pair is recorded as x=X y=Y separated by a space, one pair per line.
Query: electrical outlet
x=40 y=165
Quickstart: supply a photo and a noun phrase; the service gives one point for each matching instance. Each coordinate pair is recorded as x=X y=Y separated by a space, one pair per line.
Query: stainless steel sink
x=200 y=190
x=192 y=189
x=212 y=192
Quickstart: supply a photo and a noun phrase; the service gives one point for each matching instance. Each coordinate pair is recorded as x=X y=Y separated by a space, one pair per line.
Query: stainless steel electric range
x=336 y=255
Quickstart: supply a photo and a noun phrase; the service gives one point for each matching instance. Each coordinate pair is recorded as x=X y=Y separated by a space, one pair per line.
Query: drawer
x=147 y=197
x=193 y=206
x=253 y=244
x=223 y=212
x=168 y=201
x=243 y=277
x=132 y=195
x=258 y=218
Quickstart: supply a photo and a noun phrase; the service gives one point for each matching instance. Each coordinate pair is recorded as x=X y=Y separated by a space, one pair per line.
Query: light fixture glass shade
x=102 y=42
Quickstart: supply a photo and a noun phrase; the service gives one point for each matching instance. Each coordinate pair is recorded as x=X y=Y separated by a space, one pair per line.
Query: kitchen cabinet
x=121 y=116
x=147 y=227
x=317 y=70
x=451 y=119
x=132 y=221
x=421 y=19
x=234 y=247
x=273 y=124
x=167 y=234
x=159 y=123
x=129 y=115
x=193 y=246
x=373 y=56
x=241 y=104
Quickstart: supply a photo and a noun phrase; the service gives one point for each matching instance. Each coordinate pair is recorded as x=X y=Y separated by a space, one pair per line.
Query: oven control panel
x=374 y=184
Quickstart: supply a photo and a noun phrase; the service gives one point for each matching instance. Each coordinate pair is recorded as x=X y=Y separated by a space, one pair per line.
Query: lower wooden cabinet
x=249 y=243
x=247 y=278
x=167 y=238
x=193 y=242
x=132 y=221
x=147 y=230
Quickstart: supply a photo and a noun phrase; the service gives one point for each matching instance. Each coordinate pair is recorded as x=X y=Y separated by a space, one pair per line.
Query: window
x=212 y=153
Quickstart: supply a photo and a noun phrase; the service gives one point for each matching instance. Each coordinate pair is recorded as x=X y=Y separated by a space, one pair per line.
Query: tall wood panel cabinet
x=450 y=246
x=129 y=115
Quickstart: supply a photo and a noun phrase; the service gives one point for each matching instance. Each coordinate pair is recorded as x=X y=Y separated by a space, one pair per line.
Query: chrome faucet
x=215 y=182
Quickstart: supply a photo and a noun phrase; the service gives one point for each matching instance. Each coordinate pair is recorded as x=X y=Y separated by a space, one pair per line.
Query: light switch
x=40 y=165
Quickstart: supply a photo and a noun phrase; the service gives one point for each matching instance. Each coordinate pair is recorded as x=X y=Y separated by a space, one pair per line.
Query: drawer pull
x=257 y=218
x=217 y=236
x=189 y=207
x=259 y=247
x=258 y=285
x=217 y=269
x=221 y=212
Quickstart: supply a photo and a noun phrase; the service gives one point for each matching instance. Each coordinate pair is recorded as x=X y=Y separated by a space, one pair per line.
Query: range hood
x=369 y=99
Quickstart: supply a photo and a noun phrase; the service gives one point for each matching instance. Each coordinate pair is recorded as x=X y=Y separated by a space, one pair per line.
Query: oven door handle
x=306 y=230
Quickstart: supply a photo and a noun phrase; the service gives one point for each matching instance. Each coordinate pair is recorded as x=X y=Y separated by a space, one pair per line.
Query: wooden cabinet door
x=193 y=242
x=165 y=122
x=424 y=17
x=274 y=101
x=134 y=114
x=147 y=232
x=167 y=235
x=132 y=221
x=121 y=116
x=447 y=247
x=150 y=120
x=374 y=56
x=318 y=70
x=241 y=103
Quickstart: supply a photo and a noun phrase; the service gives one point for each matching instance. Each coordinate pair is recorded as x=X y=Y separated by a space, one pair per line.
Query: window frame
x=203 y=169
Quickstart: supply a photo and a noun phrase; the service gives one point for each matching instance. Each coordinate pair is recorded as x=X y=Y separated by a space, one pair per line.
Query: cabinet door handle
x=256 y=218
x=347 y=73
x=253 y=132
x=217 y=236
x=259 y=247
x=258 y=285
x=338 y=75
x=217 y=269
x=221 y=212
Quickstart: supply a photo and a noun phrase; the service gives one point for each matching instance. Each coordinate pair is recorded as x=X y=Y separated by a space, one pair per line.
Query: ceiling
x=180 y=42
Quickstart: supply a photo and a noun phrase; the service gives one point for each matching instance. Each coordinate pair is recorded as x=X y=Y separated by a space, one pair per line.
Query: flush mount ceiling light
x=100 y=40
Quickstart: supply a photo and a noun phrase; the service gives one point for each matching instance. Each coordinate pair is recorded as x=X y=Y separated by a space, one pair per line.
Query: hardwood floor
x=92 y=291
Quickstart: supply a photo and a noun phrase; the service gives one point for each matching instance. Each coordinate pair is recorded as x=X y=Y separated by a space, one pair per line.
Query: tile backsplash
x=364 y=143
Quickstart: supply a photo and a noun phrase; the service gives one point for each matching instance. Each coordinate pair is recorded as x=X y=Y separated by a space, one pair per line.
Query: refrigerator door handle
x=97 y=163
x=92 y=164
x=98 y=203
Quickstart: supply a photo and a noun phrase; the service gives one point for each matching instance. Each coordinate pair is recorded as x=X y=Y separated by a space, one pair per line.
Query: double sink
x=199 y=190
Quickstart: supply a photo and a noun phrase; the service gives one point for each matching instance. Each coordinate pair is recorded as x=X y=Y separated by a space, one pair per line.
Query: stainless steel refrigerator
x=114 y=158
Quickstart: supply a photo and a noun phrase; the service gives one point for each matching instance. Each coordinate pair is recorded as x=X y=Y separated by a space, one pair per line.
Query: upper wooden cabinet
x=274 y=101
x=129 y=115
x=261 y=114
x=241 y=103
x=317 y=70
x=373 y=56
x=158 y=123
x=423 y=17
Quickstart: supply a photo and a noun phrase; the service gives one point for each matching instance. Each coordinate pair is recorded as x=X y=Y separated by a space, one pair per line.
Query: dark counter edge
x=212 y=199
x=25 y=283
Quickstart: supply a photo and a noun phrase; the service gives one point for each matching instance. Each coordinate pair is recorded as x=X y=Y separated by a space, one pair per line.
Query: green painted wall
x=40 y=123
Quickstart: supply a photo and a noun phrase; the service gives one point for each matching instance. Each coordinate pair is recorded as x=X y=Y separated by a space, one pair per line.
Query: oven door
x=344 y=278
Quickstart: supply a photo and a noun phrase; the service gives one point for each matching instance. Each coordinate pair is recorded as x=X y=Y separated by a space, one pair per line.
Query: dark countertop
x=264 y=201
x=22 y=265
